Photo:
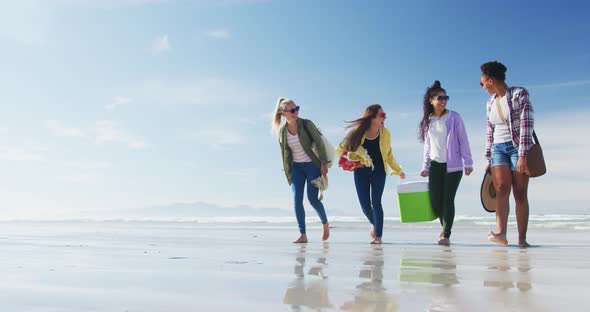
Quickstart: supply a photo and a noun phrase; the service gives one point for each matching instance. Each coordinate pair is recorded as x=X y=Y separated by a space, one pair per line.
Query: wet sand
x=142 y=266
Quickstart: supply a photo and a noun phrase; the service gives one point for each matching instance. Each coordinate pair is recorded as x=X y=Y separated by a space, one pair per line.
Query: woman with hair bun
x=510 y=124
x=446 y=153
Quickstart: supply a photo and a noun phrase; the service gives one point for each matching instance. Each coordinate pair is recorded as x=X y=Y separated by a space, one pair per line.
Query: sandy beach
x=189 y=266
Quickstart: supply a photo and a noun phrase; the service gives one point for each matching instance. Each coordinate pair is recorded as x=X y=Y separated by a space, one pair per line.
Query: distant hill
x=202 y=209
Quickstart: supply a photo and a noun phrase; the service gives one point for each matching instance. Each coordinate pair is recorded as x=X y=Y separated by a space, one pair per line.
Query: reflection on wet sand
x=372 y=296
x=309 y=290
x=428 y=266
x=502 y=276
x=431 y=267
x=429 y=278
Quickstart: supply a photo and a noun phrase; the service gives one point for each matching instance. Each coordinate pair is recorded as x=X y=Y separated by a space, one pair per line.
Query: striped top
x=299 y=155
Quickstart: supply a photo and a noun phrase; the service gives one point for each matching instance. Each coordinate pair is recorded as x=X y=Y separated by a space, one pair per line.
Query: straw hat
x=488 y=193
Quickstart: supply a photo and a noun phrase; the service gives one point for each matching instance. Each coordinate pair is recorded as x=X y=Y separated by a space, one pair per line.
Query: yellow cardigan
x=384 y=146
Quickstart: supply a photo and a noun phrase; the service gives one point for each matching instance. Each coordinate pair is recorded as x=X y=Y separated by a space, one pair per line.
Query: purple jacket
x=458 y=151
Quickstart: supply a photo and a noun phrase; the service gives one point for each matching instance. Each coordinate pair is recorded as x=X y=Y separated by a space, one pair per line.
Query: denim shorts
x=504 y=154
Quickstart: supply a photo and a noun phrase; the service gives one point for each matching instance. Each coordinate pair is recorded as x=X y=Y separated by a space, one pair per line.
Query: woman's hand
x=424 y=173
x=468 y=171
x=522 y=166
x=324 y=169
x=402 y=175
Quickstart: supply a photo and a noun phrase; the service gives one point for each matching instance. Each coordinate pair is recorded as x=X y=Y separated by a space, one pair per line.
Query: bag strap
x=500 y=112
x=506 y=123
x=536 y=139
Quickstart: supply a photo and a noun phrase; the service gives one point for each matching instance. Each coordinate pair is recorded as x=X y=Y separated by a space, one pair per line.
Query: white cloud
x=109 y=132
x=58 y=129
x=116 y=102
x=218 y=34
x=334 y=132
x=161 y=44
x=559 y=133
x=243 y=172
x=115 y=4
x=22 y=154
x=571 y=83
x=25 y=22
x=104 y=131
x=207 y=92
x=553 y=85
x=103 y=4
x=242 y=175
x=223 y=138
x=83 y=178
x=406 y=115
x=564 y=151
x=90 y=165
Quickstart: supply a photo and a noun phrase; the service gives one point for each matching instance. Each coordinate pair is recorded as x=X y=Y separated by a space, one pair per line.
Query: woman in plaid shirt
x=509 y=137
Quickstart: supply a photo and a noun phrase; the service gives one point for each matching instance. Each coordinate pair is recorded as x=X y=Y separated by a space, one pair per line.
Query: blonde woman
x=300 y=163
x=369 y=136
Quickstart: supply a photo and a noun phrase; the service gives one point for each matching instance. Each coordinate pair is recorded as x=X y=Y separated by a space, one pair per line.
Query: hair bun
x=436 y=84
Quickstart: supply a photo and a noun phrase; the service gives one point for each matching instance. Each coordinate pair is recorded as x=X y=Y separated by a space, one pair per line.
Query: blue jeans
x=300 y=173
x=369 y=189
x=504 y=154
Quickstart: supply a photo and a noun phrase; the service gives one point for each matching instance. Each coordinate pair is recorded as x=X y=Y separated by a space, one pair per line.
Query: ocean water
x=579 y=222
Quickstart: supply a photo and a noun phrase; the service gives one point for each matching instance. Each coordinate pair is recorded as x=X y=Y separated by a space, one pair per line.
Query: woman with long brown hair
x=446 y=154
x=369 y=136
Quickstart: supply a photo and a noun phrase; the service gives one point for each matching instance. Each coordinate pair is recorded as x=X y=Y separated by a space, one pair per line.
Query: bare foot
x=444 y=241
x=325 y=232
x=377 y=241
x=499 y=239
x=301 y=240
x=372 y=231
x=523 y=244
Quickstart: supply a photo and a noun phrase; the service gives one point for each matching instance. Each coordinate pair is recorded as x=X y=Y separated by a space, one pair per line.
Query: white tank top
x=501 y=131
x=297 y=151
x=438 y=132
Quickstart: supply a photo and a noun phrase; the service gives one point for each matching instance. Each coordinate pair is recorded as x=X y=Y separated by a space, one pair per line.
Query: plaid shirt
x=521 y=120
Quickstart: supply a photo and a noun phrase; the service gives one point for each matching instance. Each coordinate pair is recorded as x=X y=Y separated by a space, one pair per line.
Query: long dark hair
x=360 y=126
x=428 y=108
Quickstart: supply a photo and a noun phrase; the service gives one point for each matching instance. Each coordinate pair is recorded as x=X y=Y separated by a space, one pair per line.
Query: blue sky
x=124 y=105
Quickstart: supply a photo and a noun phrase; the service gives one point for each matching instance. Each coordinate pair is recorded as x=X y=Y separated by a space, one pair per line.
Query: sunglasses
x=443 y=97
x=382 y=115
x=482 y=83
x=292 y=110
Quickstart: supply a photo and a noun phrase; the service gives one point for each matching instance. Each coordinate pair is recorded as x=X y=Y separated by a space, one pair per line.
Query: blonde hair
x=278 y=113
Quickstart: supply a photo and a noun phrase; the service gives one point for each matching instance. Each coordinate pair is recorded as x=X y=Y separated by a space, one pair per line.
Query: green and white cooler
x=413 y=199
